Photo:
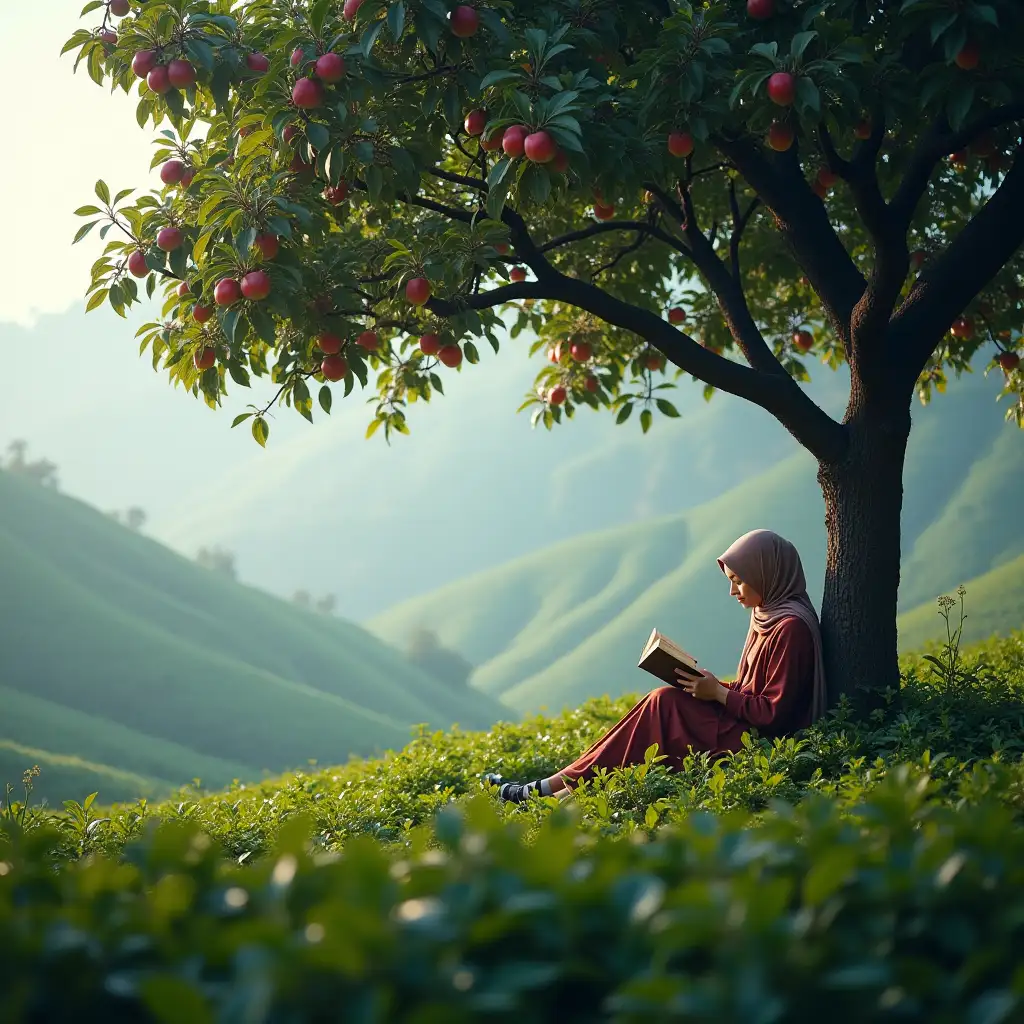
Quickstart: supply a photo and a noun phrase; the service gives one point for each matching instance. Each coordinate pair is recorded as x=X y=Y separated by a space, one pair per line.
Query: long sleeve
x=781 y=682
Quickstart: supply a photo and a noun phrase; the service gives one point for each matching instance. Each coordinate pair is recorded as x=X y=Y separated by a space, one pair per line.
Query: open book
x=661 y=657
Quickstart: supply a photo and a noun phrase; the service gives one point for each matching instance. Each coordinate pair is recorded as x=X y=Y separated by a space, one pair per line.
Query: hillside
x=567 y=622
x=143 y=666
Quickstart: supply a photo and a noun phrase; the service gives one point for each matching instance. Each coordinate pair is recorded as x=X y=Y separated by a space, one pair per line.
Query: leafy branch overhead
x=351 y=194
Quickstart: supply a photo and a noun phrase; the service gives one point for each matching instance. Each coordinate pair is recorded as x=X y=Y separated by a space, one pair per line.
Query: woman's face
x=743 y=592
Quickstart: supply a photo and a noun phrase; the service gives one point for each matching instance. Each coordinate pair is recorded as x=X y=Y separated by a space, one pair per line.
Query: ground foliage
x=870 y=869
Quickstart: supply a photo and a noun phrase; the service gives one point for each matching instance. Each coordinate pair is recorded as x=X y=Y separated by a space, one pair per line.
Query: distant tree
x=42 y=471
x=302 y=598
x=135 y=518
x=326 y=604
x=218 y=559
x=425 y=651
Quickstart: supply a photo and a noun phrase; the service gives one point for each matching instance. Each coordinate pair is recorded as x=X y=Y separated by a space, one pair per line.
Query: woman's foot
x=516 y=792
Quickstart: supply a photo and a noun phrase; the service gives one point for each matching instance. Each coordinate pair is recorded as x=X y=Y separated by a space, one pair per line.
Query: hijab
x=771 y=565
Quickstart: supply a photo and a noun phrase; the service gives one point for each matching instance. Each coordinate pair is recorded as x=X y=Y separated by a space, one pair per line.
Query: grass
x=124 y=655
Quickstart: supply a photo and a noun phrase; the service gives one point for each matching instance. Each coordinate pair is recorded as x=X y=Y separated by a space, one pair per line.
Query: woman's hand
x=706 y=686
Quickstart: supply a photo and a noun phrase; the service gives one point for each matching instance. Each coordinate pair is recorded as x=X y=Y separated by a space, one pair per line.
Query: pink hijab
x=771 y=565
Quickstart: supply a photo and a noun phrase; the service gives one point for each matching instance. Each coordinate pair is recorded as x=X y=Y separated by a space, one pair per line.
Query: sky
x=66 y=135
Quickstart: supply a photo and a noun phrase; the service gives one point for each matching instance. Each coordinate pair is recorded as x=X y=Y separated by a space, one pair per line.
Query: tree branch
x=952 y=280
x=458 y=179
x=605 y=227
x=935 y=144
x=804 y=223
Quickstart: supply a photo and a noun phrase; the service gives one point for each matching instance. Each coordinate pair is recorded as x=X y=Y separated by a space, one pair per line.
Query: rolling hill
x=567 y=622
x=127 y=667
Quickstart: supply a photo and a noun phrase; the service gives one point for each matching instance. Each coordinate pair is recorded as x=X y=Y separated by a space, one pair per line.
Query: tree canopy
x=740 y=186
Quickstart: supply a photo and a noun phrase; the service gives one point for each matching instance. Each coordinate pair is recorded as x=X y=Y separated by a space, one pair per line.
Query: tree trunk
x=863 y=502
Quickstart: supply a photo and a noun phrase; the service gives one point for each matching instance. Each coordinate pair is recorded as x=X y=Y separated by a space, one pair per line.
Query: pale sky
x=62 y=137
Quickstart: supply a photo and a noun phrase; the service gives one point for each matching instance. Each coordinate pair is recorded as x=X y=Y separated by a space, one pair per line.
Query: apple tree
x=357 y=194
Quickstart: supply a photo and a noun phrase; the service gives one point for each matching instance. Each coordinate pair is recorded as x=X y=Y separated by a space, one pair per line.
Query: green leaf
x=325 y=398
x=102 y=192
x=84 y=230
x=646 y=418
x=959 y=106
x=396 y=19
x=497 y=77
x=624 y=413
x=666 y=407
x=96 y=300
x=807 y=95
x=260 y=431
x=374 y=182
x=799 y=44
x=241 y=418
x=87 y=211
x=471 y=353
x=318 y=135
x=770 y=51
x=499 y=181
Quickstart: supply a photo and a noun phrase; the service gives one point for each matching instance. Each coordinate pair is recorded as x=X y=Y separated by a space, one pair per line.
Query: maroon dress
x=771 y=694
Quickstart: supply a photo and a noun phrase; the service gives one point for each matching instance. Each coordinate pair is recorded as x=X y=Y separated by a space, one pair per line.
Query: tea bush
x=873 y=871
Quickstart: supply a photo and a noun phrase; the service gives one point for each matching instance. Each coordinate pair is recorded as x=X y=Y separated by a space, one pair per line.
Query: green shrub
x=871 y=871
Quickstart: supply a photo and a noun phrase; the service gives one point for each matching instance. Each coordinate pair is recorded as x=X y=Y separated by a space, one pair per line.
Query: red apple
x=984 y=145
x=307 y=94
x=464 y=22
x=258 y=62
x=334 y=367
x=803 y=340
x=962 y=328
x=780 y=136
x=969 y=56
x=143 y=62
x=417 y=291
x=917 y=258
x=298 y=165
x=680 y=143
x=351 y=7
x=492 y=142
x=818 y=189
x=604 y=211
x=137 y=264
x=591 y=383
x=181 y=74
x=256 y=285
x=268 y=245
x=183 y=289
x=188 y=177
x=676 y=315
x=513 y=142
x=782 y=89
x=169 y=238
x=330 y=344
x=826 y=177
x=450 y=355
x=502 y=249
x=655 y=361
x=172 y=171
x=959 y=159
x=430 y=344
x=368 y=340
x=760 y=9
x=109 y=37
x=205 y=358
x=580 y=351
x=863 y=129
x=119 y=8
x=1009 y=360
x=557 y=395
x=330 y=67
x=560 y=164
x=158 y=81
x=297 y=57
x=201 y=313
x=336 y=194
x=289 y=132
x=475 y=122
x=227 y=291
x=517 y=274
x=539 y=147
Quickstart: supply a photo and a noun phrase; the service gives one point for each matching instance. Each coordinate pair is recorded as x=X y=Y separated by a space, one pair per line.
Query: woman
x=779 y=687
